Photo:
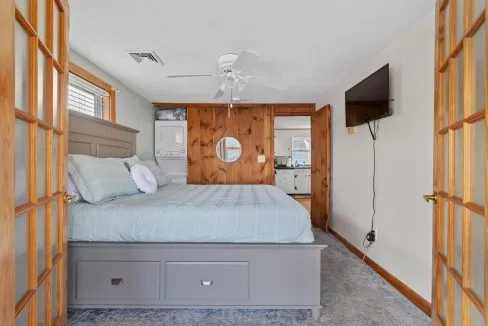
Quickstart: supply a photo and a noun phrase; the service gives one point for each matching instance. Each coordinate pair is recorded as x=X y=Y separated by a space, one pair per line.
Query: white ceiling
x=310 y=45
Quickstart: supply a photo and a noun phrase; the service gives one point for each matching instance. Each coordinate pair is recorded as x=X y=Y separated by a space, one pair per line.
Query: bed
x=187 y=246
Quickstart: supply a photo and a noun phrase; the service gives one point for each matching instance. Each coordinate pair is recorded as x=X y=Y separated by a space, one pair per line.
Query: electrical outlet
x=261 y=159
x=376 y=234
x=371 y=236
x=351 y=130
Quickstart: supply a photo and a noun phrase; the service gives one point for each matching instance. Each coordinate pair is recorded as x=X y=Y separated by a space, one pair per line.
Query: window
x=301 y=154
x=90 y=95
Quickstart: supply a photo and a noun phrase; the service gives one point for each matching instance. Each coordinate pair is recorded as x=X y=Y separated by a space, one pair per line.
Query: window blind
x=85 y=97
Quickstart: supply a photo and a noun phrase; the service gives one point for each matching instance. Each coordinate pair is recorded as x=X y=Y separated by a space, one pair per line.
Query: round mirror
x=228 y=149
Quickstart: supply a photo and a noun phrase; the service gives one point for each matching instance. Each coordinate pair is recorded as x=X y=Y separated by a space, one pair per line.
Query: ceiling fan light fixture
x=235 y=72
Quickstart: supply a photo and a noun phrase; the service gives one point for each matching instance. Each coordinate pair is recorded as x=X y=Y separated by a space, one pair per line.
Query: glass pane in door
x=42 y=20
x=458 y=304
x=21 y=162
x=42 y=89
x=445 y=99
x=458 y=241
x=41 y=162
x=54 y=227
x=458 y=162
x=41 y=239
x=478 y=153
x=478 y=255
x=443 y=296
x=445 y=226
x=41 y=304
x=23 y=7
x=479 y=69
x=460 y=86
x=478 y=6
x=23 y=318
x=446 y=32
x=21 y=68
x=21 y=256
x=476 y=316
x=55 y=164
x=56 y=31
x=445 y=163
x=55 y=288
x=459 y=20
x=55 y=97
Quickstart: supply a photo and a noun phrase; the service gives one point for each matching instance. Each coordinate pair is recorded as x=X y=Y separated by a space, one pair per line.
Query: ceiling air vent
x=140 y=56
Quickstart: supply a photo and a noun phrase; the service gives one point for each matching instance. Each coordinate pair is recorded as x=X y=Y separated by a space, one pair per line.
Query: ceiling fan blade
x=188 y=76
x=264 y=82
x=220 y=91
x=245 y=62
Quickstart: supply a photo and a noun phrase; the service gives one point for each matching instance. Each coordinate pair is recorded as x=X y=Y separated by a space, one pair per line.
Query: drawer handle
x=206 y=282
x=117 y=281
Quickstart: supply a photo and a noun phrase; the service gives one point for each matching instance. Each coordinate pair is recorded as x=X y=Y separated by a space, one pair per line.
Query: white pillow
x=131 y=161
x=73 y=190
x=161 y=177
x=100 y=179
x=143 y=178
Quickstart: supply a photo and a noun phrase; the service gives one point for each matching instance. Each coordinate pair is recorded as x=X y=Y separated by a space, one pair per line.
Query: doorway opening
x=293 y=157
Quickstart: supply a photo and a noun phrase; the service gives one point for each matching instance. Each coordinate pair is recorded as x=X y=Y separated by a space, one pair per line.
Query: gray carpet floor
x=351 y=294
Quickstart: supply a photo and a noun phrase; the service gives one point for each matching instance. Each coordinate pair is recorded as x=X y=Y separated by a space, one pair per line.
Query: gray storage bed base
x=194 y=275
x=182 y=275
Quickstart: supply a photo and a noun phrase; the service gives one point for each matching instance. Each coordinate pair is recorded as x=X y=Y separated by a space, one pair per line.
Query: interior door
x=320 y=194
x=33 y=55
x=460 y=225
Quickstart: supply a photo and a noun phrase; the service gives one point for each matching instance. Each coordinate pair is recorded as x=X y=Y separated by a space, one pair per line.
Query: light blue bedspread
x=194 y=213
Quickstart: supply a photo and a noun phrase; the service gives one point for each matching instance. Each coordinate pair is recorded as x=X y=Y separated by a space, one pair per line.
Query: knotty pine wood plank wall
x=251 y=125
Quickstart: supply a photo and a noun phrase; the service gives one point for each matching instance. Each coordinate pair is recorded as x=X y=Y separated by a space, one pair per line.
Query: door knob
x=432 y=198
x=67 y=197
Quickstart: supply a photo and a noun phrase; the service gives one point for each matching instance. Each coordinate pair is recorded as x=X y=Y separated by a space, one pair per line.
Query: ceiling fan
x=235 y=73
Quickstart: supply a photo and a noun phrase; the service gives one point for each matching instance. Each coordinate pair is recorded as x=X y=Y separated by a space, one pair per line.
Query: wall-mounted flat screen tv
x=370 y=99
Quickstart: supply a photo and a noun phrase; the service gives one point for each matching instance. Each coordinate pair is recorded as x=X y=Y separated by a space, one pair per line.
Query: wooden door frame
x=287 y=110
x=306 y=110
x=7 y=164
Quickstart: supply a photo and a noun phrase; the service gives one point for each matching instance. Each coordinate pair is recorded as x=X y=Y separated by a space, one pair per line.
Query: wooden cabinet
x=303 y=181
x=296 y=181
x=282 y=146
x=285 y=180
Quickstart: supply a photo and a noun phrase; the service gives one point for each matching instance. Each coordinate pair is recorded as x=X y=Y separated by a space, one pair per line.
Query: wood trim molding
x=88 y=76
x=293 y=110
x=410 y=294
x=276 y=106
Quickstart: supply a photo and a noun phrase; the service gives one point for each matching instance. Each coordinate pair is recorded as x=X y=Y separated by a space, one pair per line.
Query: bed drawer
x=207 y=281
x=117 y=281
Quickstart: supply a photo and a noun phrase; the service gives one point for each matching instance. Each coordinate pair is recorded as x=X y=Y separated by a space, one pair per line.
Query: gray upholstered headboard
x=100 y=138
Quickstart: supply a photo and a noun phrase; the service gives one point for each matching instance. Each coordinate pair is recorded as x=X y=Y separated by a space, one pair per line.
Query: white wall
x=132 y=109
x=404 y=162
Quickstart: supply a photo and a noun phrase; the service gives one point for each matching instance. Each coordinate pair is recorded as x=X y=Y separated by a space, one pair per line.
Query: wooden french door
x=460 y=287
x=321 y=151
x=32 y=102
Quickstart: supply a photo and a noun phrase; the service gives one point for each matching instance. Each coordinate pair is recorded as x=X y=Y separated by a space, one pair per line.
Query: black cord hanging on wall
x=370 y=237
